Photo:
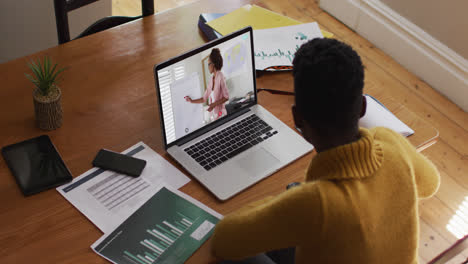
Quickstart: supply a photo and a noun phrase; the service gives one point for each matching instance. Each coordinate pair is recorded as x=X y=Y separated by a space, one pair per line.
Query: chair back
x=62 y=7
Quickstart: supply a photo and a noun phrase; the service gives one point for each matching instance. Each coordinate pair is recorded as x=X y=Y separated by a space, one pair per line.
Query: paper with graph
x=277 y=46
x=168 y=228
x=187 y=116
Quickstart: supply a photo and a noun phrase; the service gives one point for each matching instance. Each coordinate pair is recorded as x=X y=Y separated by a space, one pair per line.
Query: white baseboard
x=423 y=55
x=347 y=11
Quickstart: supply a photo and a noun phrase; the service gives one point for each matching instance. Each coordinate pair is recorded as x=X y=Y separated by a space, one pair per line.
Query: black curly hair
x=328 y=83
x=216 y=59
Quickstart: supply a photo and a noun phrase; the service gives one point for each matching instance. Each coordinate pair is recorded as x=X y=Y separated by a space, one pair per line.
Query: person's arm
x=194 y=101
x=202 y=99
x=293 y=217
x=427 y=176
x=213 y=105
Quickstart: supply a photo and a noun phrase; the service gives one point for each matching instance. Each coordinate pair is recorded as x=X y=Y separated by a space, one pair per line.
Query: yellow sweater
x=358 y=205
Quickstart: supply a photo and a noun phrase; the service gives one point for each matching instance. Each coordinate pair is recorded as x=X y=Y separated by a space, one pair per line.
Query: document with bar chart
x=108 y=198
x=168 y=228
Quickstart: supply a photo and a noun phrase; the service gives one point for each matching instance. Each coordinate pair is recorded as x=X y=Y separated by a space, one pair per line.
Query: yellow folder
x=255 y=16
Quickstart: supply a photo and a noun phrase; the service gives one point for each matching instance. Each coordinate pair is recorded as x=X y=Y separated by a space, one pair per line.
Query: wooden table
x=109 y=101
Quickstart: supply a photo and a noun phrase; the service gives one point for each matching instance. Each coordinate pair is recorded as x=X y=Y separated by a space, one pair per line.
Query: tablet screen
x=36 y=165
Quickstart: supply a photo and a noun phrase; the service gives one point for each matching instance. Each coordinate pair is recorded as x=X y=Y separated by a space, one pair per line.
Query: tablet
x=36 y=165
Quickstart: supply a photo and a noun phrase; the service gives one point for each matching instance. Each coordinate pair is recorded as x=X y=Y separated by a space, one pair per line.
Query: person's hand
x=210 y=108
x=188 y=99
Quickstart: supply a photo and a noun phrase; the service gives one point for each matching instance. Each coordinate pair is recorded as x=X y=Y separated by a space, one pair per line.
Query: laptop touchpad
x=256 y=162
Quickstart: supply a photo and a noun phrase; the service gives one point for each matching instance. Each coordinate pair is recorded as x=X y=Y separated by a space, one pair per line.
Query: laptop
x=235 y=144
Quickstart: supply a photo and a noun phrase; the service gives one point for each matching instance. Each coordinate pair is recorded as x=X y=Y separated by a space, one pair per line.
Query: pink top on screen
x=220 y=91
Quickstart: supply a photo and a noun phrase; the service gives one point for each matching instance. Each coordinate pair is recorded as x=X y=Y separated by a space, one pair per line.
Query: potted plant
x=46 y=95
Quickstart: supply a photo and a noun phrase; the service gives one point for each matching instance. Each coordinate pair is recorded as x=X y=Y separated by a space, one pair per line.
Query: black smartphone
x=121 y=163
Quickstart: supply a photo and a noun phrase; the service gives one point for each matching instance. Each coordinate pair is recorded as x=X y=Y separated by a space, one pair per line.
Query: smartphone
x=110 y=160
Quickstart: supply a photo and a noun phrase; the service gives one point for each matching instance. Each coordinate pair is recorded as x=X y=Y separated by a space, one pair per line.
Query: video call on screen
x=191 y=78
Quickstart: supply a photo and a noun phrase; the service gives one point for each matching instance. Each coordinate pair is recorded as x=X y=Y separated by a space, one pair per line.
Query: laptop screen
x=206 y=85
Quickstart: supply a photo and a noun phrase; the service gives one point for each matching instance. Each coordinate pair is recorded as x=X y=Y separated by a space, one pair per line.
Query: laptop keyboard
x=227 y=143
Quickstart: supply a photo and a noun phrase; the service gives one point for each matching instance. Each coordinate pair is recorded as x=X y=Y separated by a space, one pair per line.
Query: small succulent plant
x=45 y=75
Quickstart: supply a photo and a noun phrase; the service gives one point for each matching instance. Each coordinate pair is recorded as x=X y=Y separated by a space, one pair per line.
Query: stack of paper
x=145 y=219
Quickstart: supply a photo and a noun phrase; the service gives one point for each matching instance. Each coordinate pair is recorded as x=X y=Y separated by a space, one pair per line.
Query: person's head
x=328 y=83
x=215 y=61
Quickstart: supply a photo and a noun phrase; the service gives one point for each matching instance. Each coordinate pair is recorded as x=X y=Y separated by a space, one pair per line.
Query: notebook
x=230 y=147
x=208 y=31
x=254 y=16
x=377 y=115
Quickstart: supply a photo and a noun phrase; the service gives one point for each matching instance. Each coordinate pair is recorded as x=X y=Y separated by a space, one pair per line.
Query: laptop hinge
x=206 y=129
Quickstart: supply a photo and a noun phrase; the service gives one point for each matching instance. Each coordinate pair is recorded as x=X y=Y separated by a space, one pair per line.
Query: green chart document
x=168 y=228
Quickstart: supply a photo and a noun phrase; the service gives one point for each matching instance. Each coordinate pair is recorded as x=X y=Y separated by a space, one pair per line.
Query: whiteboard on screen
x=188 y=117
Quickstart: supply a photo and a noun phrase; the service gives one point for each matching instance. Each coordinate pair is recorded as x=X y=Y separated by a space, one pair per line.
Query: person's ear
x=364 y=106
x=297 y=118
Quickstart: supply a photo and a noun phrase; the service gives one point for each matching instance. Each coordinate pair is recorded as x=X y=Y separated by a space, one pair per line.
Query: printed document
x=277 y=46
x=170 y=227
x=108 y=198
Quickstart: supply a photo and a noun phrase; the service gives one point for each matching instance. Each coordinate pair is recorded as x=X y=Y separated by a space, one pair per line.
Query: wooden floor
x=450 y=154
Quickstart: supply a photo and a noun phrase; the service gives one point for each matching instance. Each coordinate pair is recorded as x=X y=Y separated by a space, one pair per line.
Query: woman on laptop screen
x=217 y=92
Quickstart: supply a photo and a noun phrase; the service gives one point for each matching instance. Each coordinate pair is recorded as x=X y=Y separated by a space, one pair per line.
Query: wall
x=28 y=26
x=432 y=60
x=446 y=21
